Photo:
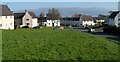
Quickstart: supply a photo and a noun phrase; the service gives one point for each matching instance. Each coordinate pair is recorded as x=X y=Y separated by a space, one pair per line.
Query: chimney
x=25 y=10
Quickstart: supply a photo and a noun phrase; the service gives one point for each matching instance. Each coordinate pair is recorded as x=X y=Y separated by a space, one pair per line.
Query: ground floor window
x=11 y=23
x=119 y=24
x=0 y=25
x=27 y=23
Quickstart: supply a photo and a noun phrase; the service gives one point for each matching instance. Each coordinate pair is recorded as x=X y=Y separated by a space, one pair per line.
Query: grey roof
x=114 y=14
x=32 y=14
x=5 y=10
x=87 y=18
x=20 y=15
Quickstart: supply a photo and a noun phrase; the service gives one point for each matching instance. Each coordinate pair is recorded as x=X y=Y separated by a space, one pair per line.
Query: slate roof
x=83 y=18
x=114 y=14
x=32 y=14
x=98 y=18
x=5 y=10
x=72 y=19
x=20 y=15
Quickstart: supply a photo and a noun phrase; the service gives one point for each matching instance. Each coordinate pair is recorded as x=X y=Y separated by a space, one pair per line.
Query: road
x=100 y=33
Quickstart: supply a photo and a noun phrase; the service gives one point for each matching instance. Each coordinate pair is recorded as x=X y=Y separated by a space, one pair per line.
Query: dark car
x=25 y=27
x=37 y=27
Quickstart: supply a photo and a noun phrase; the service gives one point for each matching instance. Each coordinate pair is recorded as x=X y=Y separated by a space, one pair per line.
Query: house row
x=10 y=20
x=114 y=19
x=47 y=22
x=83 y=20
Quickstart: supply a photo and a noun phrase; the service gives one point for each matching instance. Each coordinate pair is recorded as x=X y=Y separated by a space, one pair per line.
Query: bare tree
x=53 y=14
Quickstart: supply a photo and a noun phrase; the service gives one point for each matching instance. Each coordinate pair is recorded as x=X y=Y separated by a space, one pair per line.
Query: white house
x=49 y=23
x=83 y=20
x=86 y=21
x=114 y=19
x=26 y=19
x=6 y=17
x=52 y=23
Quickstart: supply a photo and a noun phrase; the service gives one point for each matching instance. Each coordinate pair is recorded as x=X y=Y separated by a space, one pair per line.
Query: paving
x=100 y=33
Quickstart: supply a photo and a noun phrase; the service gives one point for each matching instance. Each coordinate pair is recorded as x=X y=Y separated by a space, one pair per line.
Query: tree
x=41 y=17
x=77 y=15
x=53 y=14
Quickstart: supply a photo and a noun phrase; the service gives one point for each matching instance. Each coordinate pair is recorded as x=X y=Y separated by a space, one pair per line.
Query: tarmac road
x=100 y=33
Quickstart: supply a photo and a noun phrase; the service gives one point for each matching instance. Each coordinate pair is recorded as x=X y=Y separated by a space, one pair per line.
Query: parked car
x=91 y=30
x=25 y=27
x=37 y=27
x=70 y=26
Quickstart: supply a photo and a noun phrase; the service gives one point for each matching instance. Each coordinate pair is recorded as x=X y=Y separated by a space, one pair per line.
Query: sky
x=60 y=0
x=36 y=5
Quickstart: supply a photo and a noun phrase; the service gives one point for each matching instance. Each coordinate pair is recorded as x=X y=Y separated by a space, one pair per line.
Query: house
x=45 y=21
x=86 y=21
x=71 y=21
x=81 y=20
x=114 y=19
x=6 y=17
x=101 y=19
x=26 y=19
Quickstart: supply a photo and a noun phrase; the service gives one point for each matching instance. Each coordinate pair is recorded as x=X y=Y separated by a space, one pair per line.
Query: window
x=0 y=25
x=118 y=19
x=27 y=19
x=11 y=23
x=6 y=24
x=6 y=16
x=27 y=24
x=49 y=23
x=19 y=19
x=118 y=23
x=10 y=16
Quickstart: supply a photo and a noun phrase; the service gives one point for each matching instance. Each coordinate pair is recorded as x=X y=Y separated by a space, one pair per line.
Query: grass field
x=48 y=44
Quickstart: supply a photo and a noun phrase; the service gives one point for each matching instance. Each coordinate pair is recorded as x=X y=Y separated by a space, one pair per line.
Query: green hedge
x=112 y=29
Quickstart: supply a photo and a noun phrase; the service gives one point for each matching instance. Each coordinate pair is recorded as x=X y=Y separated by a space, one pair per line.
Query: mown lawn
x=48 y=44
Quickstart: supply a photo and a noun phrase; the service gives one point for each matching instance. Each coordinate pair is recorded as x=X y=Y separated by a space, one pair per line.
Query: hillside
x=48 y=44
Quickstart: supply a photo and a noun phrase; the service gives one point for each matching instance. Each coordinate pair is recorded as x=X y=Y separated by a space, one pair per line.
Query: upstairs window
x=6 y=16
x=10 y=16
x=27 y=19
x=27 y=24
x=118 y=19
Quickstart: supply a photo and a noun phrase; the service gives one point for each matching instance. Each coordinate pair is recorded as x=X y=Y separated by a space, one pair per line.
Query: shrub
x=112 y=29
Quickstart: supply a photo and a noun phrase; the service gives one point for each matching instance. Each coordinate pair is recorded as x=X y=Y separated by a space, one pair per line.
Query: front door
x=52 y=24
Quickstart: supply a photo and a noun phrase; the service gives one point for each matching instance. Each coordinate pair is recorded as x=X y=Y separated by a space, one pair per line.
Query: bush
x=17 y=26
x=112 y=29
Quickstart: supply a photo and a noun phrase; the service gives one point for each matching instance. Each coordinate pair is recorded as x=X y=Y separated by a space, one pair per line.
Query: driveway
x=100 y=33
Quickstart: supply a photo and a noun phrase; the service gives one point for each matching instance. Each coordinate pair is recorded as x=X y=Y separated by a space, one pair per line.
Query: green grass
x=48 y=44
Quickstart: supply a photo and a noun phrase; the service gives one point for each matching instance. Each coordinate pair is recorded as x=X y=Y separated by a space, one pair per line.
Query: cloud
x=60 y=0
